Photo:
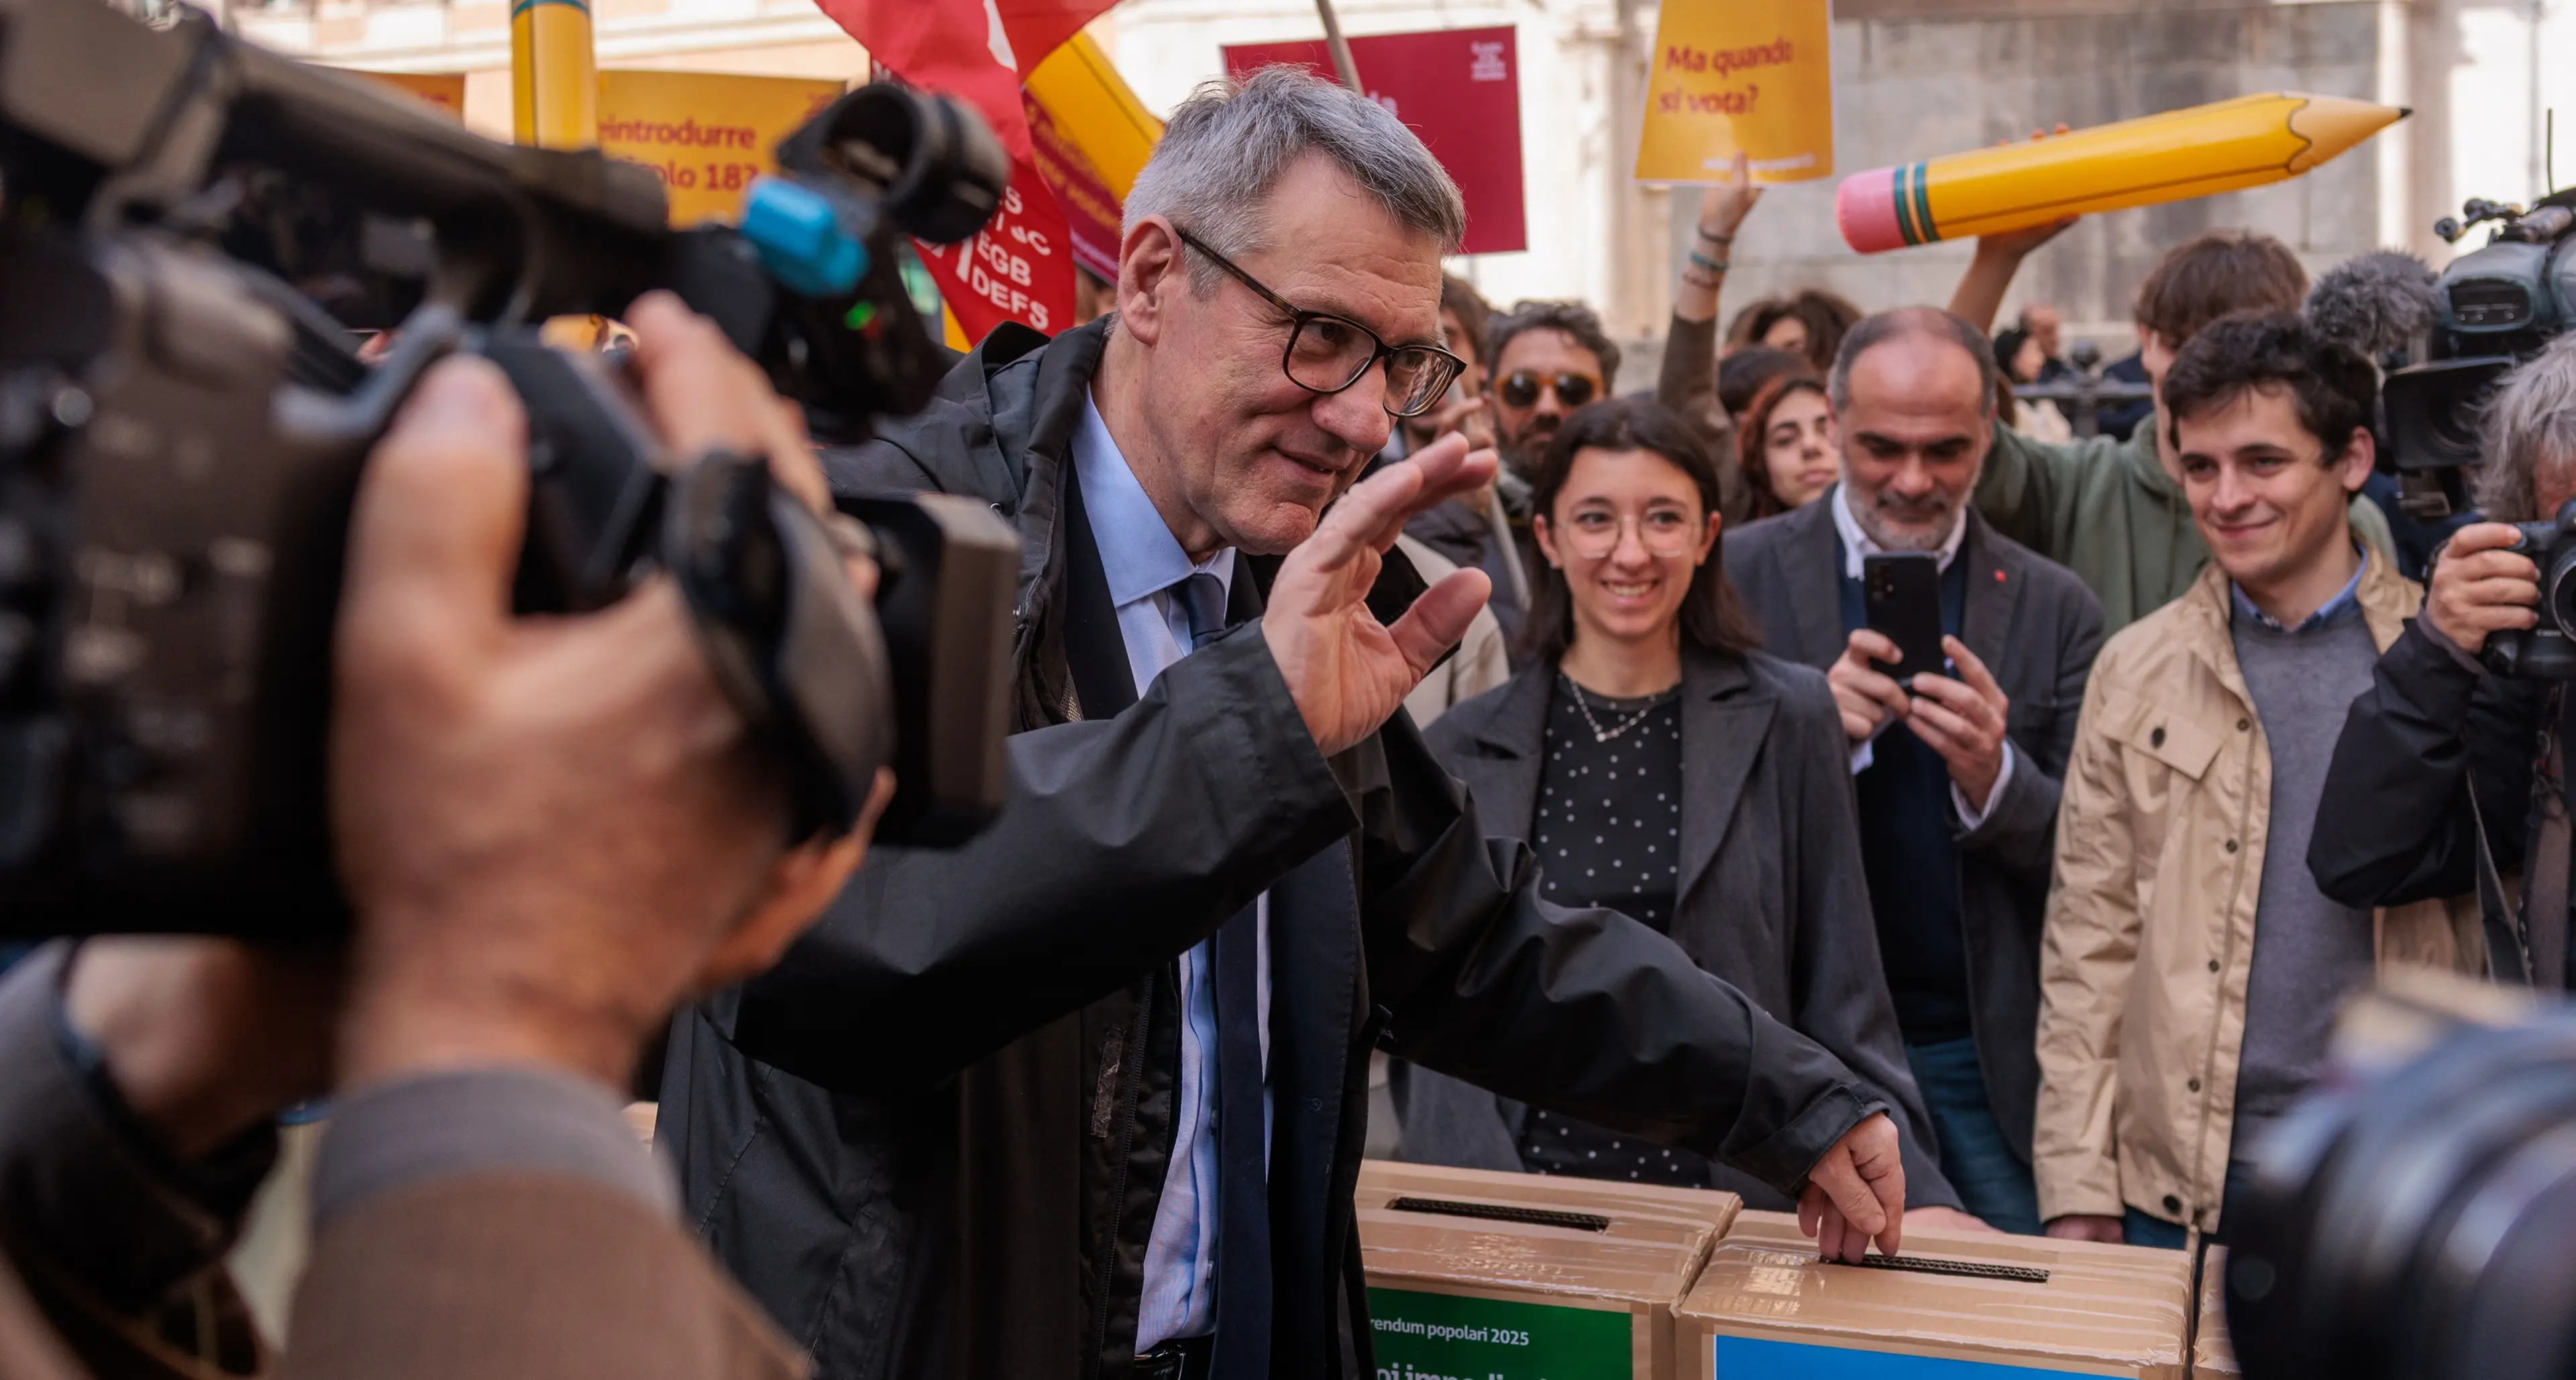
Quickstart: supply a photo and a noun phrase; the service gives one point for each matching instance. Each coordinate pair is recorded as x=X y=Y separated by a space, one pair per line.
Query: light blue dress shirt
x=1143 y=562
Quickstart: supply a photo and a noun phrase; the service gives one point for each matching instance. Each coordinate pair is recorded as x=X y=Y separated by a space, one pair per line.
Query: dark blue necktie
x=1242 y=1147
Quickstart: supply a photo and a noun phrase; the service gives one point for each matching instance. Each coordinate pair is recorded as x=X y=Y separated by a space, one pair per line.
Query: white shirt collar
x=1857 y=543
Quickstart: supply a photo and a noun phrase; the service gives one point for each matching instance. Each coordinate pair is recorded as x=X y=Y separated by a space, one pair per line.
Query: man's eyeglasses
x=1593 y=533
x=1328 y=353
x=1520 y=387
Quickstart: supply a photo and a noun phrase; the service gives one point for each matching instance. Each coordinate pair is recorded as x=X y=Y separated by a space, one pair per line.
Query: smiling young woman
x=1659 y=765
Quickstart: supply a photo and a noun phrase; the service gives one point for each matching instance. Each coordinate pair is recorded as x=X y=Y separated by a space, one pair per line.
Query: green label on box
x=1445 y=1337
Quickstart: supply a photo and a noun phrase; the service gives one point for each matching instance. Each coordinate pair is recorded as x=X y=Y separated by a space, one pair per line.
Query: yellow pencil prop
x=2174 y=156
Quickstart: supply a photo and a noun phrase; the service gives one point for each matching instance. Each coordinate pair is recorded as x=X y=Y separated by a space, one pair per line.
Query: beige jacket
x=1479 y=664
x=2150 y=932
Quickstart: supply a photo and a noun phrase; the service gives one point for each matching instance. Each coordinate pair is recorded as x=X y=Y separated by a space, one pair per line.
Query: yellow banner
x=1753 y=76
x=446 y=90
x=707 y=135
x=1093 y=107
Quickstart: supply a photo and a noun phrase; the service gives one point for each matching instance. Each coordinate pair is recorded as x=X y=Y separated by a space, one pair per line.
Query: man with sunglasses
x=1549 y=358
x=1087 y=1095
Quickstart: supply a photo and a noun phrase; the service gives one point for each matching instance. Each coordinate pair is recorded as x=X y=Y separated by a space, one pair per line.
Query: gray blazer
x=1770 y=896
x=2036 y=627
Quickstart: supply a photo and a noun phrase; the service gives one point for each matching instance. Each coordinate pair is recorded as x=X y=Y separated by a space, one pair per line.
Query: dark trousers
x=1993 y=1182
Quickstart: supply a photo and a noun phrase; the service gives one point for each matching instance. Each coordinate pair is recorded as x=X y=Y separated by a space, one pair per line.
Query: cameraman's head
x=2272 y=426
x=1284 y=236
x=2217 y=274
x=2530 y=438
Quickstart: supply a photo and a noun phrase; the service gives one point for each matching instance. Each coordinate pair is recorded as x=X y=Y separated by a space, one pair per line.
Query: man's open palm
x=1347 y=671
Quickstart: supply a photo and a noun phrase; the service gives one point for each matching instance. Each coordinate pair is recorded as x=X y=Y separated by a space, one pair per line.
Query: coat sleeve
x=1124 y=841
x=1837 y=982
x=2029 y=487
x=2087 y=951
x=2394 y=824
x=524 y=1276
x=1584 y=1012
x=2020 y=832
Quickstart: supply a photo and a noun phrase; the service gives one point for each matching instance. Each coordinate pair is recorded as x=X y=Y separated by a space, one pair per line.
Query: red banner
x=1019 y=267
x=1460 y=91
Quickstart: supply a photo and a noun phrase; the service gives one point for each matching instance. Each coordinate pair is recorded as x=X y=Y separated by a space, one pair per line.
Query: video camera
x=2492 y=308
x=182 y=427
x=2411 y=1218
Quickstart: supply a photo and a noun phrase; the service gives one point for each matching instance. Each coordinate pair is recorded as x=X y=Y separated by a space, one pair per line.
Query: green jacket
x=2105 y=509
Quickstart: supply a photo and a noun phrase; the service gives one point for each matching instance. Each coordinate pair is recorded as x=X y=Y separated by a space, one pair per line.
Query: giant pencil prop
x=2180 y=154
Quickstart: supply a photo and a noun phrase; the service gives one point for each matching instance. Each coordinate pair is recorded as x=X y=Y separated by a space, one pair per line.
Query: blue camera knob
x=801 y=240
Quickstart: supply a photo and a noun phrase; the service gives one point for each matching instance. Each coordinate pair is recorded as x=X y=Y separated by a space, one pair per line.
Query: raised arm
x=1688 y=383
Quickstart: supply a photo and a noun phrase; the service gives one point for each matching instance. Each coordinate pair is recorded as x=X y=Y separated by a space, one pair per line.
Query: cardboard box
x=1484 y=1276
x=1766 y=1308
x=2211 y=1353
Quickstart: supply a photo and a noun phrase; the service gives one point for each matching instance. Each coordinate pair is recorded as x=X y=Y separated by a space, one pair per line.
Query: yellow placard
x=707 y=135
x=1754 y=76
x=446 y=90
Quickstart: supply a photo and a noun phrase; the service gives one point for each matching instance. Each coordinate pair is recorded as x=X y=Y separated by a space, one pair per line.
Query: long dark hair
x=1753 y=444
x=1712 y=616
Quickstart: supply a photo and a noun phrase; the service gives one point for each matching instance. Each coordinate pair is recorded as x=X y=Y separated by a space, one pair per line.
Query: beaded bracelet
x=1704 y=261
x=1712 y=236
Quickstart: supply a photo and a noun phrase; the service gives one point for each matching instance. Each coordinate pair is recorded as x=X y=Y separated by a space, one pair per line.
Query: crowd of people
x=1384 y=682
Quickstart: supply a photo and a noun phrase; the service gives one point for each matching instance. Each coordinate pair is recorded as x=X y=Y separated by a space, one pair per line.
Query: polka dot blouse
x=1607 y=832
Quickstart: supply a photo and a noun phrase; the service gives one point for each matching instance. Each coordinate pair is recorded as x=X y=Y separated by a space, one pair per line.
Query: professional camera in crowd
x=182 y=428
x=2413 y=1219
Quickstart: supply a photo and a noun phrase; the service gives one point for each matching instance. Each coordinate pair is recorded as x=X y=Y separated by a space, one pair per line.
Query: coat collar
x=2204 y=611
x=1726 y=717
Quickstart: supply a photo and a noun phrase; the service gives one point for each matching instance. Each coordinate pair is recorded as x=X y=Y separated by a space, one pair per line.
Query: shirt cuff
x=479 y=1122
x=1972 y=820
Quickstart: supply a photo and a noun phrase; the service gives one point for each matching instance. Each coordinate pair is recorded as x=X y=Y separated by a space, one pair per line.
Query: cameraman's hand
x=206 y=1038
x=1347 y=671
x=553 y=829
x=2478 y=588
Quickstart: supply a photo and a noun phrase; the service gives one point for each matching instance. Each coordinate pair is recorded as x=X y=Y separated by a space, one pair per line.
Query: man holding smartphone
x=1956 y=774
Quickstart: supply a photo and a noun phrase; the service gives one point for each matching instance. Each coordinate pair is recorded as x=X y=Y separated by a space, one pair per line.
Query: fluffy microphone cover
x=2376 y=302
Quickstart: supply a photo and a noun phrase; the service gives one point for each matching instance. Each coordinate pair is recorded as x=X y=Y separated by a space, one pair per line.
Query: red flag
x=1020 y=268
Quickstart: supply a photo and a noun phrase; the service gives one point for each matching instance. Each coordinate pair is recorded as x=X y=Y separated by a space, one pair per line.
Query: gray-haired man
x=1158 y=1182
x=2396 y=822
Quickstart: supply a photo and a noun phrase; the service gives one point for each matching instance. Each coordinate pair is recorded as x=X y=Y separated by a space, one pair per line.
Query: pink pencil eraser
x=1865 y=209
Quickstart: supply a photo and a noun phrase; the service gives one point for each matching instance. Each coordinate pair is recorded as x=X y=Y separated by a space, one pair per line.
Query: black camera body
x=2547 y=651
x=182 y=431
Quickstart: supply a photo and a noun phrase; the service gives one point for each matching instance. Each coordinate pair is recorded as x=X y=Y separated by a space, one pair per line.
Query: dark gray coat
x=1770 y=895
x=2036 y=627
x=932 y=1140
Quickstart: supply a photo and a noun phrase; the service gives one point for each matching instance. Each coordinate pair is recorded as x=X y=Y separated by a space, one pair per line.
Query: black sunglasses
x=1520 y=388
x=1328 y=353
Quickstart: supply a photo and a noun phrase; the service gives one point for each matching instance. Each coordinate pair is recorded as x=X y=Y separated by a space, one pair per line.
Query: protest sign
x=1460 y=91
x=1750 y=76
x=1019 y=267
x=708 y=136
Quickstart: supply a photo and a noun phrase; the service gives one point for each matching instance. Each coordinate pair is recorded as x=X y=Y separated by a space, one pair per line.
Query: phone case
x=1901 y=597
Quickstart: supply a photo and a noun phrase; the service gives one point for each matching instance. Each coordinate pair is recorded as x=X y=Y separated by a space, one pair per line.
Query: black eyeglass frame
x=1299 y=318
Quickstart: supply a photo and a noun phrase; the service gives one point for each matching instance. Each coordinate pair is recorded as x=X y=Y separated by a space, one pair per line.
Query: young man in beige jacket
x=2191 y=969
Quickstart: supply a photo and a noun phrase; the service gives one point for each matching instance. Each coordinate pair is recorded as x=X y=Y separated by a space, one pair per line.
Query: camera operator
x=550 y=831
x=2438 y=745
x=1091 y=1199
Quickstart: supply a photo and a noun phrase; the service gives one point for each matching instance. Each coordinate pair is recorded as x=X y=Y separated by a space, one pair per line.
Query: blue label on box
x=1756 y=1358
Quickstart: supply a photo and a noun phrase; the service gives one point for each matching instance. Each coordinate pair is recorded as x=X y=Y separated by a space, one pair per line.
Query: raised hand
x=1348 y=672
